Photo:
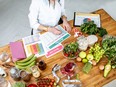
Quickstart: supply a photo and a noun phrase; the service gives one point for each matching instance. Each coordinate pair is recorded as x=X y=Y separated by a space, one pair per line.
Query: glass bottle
x=42 y=65
x=4 y=57
x=35 y=71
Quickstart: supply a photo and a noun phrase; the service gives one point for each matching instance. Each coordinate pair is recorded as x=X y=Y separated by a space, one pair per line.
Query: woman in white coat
x=45 y=15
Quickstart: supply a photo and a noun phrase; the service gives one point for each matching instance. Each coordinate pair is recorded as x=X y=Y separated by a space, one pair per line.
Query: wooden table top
x=95 y=77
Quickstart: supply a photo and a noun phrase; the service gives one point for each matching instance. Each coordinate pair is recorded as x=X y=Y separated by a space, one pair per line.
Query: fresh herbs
x=109 y=45
x=102 y=32
x=91 y=28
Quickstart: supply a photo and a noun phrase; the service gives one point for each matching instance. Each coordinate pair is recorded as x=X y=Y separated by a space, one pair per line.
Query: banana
x=25 y=67
x=26 y=63
x=26 y=59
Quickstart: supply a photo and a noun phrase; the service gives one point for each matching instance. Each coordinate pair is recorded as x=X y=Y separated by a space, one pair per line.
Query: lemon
x=82 y=54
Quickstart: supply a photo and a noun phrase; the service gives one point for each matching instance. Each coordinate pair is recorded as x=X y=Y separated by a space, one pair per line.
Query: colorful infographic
x=33 y=45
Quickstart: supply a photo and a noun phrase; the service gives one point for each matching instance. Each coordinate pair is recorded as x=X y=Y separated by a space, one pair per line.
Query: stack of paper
x=33 y=45
x=46 y=44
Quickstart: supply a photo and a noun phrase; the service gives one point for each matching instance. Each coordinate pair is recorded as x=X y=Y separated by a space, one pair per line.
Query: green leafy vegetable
x=91 y=28
x=109 y=45
x=102 y=32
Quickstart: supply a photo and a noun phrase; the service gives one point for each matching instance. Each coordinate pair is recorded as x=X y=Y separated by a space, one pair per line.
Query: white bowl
x=92 y=39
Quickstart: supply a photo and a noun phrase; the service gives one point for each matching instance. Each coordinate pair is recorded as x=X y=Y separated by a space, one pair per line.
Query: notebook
x=17 y=51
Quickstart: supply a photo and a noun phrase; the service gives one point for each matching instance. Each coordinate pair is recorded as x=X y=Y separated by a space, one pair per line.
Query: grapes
x=97 y=52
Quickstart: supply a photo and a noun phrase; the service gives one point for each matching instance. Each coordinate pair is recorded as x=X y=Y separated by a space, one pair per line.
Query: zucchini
x=25 y=67
x=26 y=59
x=26 y=63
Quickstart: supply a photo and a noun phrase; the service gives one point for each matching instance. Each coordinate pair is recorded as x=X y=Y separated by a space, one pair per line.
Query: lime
x=82 y=54
x=84 y=60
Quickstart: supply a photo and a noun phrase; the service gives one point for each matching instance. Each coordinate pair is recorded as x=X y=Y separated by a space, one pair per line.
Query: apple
x=82 y=54
x=90 y=57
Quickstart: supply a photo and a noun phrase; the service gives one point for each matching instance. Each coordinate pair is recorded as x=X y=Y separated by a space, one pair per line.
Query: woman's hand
x=66 y=26
x=54 y=30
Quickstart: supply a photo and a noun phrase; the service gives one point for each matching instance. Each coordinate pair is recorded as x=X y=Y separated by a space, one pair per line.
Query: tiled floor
x=14 y=22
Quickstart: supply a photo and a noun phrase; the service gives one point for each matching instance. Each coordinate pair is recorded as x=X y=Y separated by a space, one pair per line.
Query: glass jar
x=2 y=72
x=83 y=43
x=4 y=57
x=42 y=65
x=14 y=73
x=25 y=76
x=35 y=71
x=3 y=82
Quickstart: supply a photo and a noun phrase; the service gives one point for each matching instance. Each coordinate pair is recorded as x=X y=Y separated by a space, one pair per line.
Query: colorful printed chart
x=47 y=44
x=51 y=40
x=33 y=45
x=80 y=18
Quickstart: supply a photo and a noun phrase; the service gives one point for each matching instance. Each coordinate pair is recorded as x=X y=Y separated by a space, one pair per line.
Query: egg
x=78 y=59
x=94 y=62
x=101 y=67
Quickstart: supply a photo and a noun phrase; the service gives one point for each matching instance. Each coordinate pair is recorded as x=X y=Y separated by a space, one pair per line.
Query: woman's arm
x=66 y=25
x=33 y=14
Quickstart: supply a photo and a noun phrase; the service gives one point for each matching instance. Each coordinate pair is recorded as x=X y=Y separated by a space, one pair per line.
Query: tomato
x=32 y=85
x=53 y=80
x=51 y=83
x=66 y=54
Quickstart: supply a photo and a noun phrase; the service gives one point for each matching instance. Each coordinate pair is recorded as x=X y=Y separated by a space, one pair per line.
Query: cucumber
x=87 y=67
x=25 y=67
x=26 y=59
x=26 y=63
x=107 y=69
